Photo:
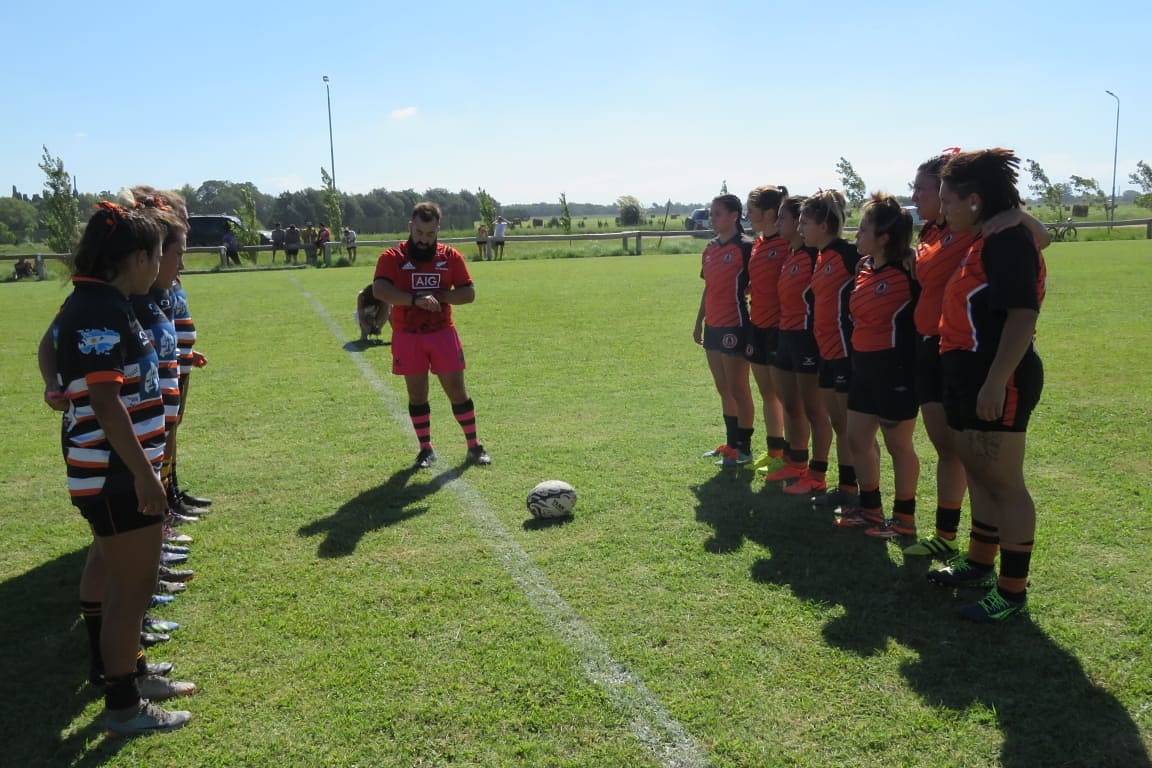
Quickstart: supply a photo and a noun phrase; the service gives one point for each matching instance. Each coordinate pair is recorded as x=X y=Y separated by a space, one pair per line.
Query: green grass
x=349 y=612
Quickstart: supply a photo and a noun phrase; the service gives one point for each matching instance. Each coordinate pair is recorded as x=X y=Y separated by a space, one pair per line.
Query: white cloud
x=407 y=113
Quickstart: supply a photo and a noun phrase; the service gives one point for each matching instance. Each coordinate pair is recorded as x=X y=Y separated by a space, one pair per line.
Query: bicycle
x=1062 y=231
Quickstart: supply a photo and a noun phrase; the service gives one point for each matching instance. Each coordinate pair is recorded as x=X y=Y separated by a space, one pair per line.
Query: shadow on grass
x=45 y=679
x=388 y=504
x=1036 y=693
x=355 y=345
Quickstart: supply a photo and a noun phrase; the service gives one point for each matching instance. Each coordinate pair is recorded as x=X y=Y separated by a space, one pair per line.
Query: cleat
x=934 y=546
x=875 y=516
x=158 y=600
x=993 y=608
x=477 y=455
x=179 y=507
x=159 y=626
x=175 y=518
x=734 y=459
x=835 y=497
x=718 y=451
x=158 y=688
x=172 y=574
x=143 y=718
x=171 y=558
x=786 y=473
x=173 y=537
x=193 y=501
x=850 y=517
x=890 y=529
x=149 y=639
x=170 y=587
x=765 y=460
x=174 y=549
x=806 y=486
x=425 y=459
x=962 y=572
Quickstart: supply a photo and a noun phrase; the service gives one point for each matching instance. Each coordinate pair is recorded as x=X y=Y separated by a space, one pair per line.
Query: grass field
x=348 y=611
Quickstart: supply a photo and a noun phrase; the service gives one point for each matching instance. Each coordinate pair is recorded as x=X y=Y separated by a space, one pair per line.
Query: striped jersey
x=446 y=271
x=185 y=328
x=795 y=289
x=882 y=304
x=152 y=310
x=99 y=340
x=937 y=256
x=831 y=288
x=724 y=269
x=1000 y=272
x=768 y=255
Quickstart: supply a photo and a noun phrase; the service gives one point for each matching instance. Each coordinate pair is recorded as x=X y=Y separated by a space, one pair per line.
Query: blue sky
x=595 y=100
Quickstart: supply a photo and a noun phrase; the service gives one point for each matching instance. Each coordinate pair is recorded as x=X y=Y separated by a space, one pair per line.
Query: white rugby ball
x=551 y=498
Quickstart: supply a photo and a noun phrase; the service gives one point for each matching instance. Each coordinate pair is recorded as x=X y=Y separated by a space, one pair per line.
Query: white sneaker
x=144 y=718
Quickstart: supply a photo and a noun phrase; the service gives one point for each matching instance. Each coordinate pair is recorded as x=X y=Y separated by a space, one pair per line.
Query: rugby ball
x=551 y=499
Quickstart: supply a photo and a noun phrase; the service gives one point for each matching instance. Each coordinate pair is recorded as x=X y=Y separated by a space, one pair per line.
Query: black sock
x=731 y=424
x=121 y=692
x=93 y=614
x=847 y=474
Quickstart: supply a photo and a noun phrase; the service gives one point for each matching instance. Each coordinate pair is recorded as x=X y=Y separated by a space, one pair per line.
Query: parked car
x=916 y=220
x=208 y=229
x=701 y=219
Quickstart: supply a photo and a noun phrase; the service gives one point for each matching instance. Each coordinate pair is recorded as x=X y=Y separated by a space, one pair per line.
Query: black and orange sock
x=847 y=477
x=983 y=544
x=1015 y=561
x=904 y=510
x=776 y=446
x=870 y=499
x=465 y=414
x=421 y=416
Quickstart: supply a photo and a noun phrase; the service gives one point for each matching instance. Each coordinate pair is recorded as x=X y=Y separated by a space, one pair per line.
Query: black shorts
x=836 y=374
x=928 y=383
x=116 y=513
x=964 y=375
x=729 y=341
x=882 y=385
x=796 y=352
x=761 y=346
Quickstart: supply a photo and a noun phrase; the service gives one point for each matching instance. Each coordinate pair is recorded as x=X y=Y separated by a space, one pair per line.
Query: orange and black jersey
x=831 y=288
x=795 y=289
x=882 y=304
x=937 y=256
x=444 y=272
x=724 y=269
x=1000 y=272
x=185 y=328
x=768 y=255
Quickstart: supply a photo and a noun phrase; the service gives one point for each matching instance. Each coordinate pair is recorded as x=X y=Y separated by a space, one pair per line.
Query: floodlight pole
x=331 y=146
x=1115 y=152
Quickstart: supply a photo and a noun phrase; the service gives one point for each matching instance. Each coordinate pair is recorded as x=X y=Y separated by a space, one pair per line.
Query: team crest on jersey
x=150 y=380
x=727 y=258
x=166 y=345
x=828 y=269
x=442 y=264
x=98 y=341
x=795 y=269
x=425 y=281
x=881 y=289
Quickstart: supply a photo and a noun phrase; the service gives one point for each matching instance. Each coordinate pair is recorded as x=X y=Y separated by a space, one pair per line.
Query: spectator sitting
x=22 y=269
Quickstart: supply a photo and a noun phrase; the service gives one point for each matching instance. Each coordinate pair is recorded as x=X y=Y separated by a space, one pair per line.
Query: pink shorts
x=417 y=353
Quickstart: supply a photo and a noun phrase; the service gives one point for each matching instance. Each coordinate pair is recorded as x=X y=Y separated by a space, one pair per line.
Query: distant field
x=350 y=612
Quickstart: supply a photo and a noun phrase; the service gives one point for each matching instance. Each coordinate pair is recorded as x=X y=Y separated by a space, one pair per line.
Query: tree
x=19 y=218
x=854 y=190
x=487 y=209
x=1088 y=191
x=630 y=210
x=1143 y=179
x=334 y=217
x=565 y=215
x=248 y=234
x=1049 y=194
x=58 y=212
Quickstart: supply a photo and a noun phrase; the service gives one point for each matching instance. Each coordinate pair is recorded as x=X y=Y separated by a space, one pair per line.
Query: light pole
x=1115 y=151
x=332 y=149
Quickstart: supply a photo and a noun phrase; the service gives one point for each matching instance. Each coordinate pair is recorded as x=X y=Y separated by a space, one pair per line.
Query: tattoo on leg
x=985 y=445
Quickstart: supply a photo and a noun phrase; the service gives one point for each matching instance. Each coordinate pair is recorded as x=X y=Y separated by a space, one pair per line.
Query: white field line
x=653 y=726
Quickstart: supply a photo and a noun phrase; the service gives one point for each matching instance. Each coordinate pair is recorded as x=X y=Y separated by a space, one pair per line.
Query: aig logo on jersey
x=425 y=281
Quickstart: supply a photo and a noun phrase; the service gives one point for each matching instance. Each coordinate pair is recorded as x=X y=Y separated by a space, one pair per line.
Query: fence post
x=223 y=257
x=638 y=248
x=1148 y=232
x=328 y=253
x=41 y=268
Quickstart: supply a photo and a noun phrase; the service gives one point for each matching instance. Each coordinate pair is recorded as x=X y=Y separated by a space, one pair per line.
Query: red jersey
x=442 y=273
x=1000 y=272
x=882 y=302
x=768 y=255
x=795 y=289
x=937 y=256
x=724 y=268
x=831 y=289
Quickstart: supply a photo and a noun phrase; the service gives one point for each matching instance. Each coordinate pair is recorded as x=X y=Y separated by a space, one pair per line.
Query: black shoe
x=424 y=459
x=176 y=574
x=477 y=455
x=149 y=639
x=193 y=501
